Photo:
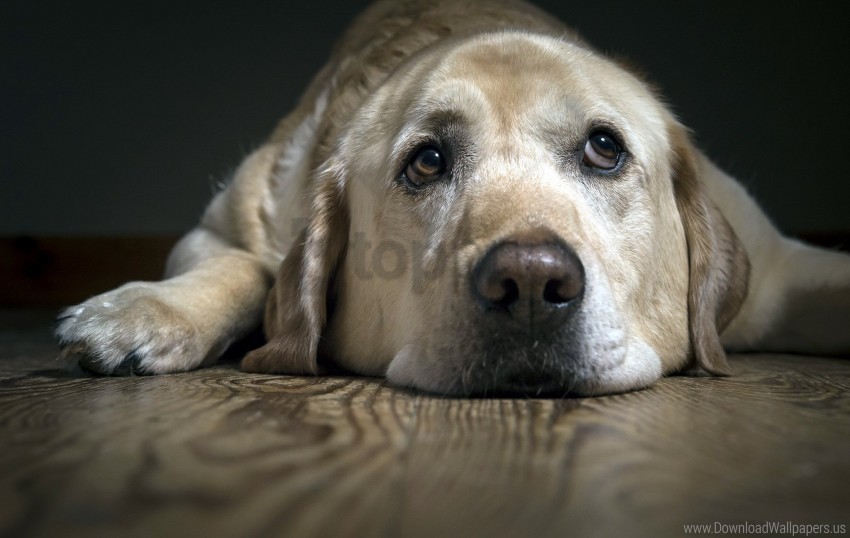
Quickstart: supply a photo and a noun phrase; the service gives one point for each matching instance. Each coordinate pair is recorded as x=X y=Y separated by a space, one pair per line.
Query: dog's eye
x=601 y=151
x=426 y=166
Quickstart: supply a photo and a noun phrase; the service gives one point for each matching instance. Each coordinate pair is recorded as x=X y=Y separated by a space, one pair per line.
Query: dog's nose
x=534 y=280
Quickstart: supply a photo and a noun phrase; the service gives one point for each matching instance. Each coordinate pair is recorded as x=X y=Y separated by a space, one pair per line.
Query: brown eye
x=601 y=151
x=427 y=165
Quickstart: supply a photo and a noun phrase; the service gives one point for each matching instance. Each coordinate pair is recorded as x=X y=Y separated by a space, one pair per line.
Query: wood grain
x=220 y=453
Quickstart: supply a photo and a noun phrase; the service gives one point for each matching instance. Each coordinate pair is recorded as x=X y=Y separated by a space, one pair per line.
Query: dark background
x=117 y=119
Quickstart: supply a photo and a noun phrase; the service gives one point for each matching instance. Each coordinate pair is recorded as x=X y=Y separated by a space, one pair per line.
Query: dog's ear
x=718 y=264
x=296 y=308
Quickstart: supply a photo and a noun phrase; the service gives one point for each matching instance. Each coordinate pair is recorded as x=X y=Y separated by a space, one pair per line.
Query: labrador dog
x=469 y=199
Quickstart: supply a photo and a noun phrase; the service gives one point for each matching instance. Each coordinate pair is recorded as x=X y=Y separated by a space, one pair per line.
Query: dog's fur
x=375 y=275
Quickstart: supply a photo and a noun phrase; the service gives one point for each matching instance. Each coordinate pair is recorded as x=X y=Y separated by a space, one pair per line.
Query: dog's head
x=509 y=213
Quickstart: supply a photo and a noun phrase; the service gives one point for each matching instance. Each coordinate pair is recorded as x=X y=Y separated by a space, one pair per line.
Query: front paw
x=130 y=331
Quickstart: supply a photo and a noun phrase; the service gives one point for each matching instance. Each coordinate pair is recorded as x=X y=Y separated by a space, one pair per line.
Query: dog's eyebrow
x=442 y=120
x=449 y=127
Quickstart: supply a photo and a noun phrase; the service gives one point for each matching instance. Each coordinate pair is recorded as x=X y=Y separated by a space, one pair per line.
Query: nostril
x=559 y=291
x=510 y=294
x=500 y=292
x=552 y=294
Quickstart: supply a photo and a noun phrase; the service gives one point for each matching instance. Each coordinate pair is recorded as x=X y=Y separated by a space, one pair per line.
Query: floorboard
x=217 y=452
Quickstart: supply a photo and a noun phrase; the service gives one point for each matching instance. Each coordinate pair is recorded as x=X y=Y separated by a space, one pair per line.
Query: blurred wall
x=118 y=118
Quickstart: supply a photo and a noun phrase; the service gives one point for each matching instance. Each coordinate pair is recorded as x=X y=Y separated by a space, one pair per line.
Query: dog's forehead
x=518 y=73
x=507 y=69
x=515 y=84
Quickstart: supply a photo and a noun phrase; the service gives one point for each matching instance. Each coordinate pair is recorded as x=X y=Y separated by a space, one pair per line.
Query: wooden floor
x=221 y=453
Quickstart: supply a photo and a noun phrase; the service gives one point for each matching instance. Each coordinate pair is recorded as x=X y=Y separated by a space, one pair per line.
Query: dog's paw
x=132 y=330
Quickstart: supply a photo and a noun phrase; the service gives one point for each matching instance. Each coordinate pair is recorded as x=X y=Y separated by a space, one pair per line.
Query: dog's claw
x=130 y=365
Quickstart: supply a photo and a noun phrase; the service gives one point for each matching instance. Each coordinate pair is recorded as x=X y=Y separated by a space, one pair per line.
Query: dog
x=469 y=199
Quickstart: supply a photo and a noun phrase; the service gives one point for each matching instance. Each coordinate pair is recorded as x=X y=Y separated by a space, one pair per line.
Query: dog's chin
x=526 y=372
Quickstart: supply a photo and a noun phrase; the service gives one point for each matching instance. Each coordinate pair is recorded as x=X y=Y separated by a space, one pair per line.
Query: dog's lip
x=529 y=382
x=532 y=382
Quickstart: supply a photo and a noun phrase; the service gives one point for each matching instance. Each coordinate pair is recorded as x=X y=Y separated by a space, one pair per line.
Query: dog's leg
x=216 y=282
x=799 y=295
x=215 y=295
x=812 y=305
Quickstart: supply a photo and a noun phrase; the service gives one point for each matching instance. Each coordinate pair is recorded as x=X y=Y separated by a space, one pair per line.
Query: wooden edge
x=57 y=271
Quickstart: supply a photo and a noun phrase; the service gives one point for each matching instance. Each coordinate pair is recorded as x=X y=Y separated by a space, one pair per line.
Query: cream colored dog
x=469 y=199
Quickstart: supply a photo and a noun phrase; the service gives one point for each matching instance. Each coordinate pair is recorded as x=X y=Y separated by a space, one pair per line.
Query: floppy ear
x=718 y=264
x=296 y=308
